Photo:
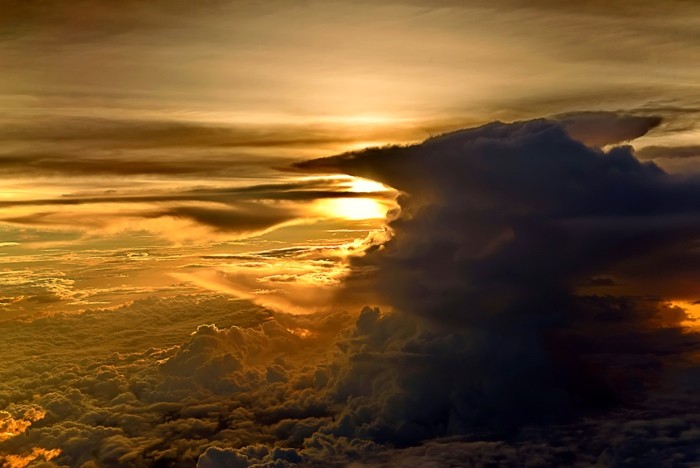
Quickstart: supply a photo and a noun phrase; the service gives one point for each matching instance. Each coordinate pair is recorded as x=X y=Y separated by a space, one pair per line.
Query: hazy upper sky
x=153 y=157
x=138 y=109
x=337 y=73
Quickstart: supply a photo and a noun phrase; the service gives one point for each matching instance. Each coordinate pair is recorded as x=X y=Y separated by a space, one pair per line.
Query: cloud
x=49 y=146
x=11 y=427
x=628 y=438
x=502 y=195
x=669 y=152
x=241 y=219
x=134 y=386
x=137 y=386
x=487 y=338
x=500 y=226
x=52 y=163
x=606 y=128
x=181 y=214
x=294 y=190
x=21 y=461
x=133 y=134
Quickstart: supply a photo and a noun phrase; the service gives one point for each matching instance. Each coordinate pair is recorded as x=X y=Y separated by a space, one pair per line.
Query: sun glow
x=360 y=208
x=358 y=184
x=692 y=311
x=352 y=208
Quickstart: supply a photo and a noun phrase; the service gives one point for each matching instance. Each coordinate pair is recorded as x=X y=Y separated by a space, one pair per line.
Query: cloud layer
x=526 y=319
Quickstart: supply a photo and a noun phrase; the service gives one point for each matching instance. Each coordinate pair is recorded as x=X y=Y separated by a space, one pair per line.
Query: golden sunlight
x=37 y=453
x=11 y=427
x=358 y=184
x=352 y=208
x=692 y=311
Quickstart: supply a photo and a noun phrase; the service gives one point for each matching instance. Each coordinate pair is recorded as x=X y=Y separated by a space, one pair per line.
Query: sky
x=240 y=233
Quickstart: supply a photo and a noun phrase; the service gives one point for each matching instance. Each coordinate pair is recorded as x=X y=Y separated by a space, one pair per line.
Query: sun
x=358 y=184
x=352 y=208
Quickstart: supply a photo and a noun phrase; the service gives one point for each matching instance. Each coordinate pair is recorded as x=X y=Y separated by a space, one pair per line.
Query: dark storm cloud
x=499 y=227
x=605 y=128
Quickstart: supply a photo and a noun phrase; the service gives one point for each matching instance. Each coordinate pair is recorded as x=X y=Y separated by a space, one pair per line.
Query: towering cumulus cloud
x=537 y=273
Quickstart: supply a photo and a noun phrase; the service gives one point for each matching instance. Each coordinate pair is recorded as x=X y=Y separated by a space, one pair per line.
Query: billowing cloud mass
x=524 y=206
x=502 y=233
x=525 y=320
